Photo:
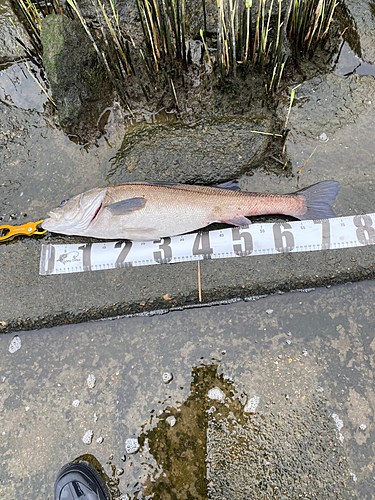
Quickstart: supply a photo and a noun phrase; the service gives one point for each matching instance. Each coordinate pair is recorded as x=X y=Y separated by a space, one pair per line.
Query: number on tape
x=257 y=239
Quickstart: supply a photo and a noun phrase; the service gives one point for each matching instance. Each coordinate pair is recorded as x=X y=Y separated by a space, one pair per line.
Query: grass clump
x=251 y=35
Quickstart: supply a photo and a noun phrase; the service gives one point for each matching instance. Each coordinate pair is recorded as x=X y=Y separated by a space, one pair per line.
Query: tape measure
x=257 y=239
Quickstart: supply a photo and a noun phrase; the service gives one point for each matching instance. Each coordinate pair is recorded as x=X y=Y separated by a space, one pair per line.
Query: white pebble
x=91 y=381
x=339 y=423
x=269 y=311
x=87 y=438
x=216 y=393
x=363 y=427
x=131 y=445
x=15 y=344
x=252 y=405
x=100 y=440
x=171 y=420
x=75 y=403
x=167 y=377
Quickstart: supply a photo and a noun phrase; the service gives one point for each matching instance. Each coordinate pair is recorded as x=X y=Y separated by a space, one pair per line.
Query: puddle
x=347 y=62
x=18 y=88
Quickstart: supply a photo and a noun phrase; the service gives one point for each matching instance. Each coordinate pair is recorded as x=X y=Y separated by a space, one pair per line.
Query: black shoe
x=80 y=481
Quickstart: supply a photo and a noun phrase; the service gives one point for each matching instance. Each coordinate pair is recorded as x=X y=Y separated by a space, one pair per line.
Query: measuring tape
x=257 y=239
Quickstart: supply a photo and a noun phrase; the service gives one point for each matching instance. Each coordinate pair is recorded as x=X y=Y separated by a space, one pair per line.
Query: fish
x=141 y=211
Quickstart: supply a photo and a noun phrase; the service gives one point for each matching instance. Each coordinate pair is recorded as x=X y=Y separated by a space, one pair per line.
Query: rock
x=326 y=103
x=207 y=152
x=10 y=49
x=363 y=14
x=79 y=85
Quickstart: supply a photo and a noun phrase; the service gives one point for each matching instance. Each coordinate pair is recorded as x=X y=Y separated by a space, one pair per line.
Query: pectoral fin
x=240 y=220
x=125 y=207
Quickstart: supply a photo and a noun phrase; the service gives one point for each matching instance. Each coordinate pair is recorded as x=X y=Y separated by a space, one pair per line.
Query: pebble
x=171 y=420
x=216 y=393
x=252 y=405
x=91 y=381
x=15 y=344
x=167 y=377
x=131 y=445
x=87 y=438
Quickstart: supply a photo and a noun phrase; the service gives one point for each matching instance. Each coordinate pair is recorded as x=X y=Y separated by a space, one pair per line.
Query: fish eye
x=63 y=202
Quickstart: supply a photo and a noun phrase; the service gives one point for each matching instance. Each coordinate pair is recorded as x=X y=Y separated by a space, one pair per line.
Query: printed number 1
x=86 y=257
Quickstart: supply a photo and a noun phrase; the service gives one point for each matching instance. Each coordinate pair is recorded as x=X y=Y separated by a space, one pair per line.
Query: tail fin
x=319 y=200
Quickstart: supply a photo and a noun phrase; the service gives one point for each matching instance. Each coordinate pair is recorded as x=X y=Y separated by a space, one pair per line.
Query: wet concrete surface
x=272 y=398
x=40 y=179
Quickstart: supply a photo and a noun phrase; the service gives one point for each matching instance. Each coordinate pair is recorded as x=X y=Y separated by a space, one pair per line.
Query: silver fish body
x=146 y=211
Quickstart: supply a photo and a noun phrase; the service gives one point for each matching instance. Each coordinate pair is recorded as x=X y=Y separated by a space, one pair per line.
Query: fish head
x=73 y=216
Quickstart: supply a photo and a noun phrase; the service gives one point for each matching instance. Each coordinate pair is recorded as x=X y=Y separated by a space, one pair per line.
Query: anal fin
x=239 y=220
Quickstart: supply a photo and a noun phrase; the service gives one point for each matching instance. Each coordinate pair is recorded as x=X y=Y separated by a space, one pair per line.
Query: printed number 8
x=365 y=232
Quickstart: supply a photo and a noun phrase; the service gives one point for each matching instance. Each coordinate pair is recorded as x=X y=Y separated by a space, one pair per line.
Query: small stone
x=75 y=403
x=216 y=393
x=15 y=344
x=119 y=471
x=339 y=423
x=91 y=381
x=363 y=427
x=100 y=440
x=131 y=445
x=323 y=137
x=87 y=438
x=95 y=417
x=251 y=405
x=171 y=420
x=167 y=377
x=269 y=311
x=288 y=341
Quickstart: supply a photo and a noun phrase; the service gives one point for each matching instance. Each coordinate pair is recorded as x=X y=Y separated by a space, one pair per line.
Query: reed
x=254 y=33
x=251 y=34
x=311 y=20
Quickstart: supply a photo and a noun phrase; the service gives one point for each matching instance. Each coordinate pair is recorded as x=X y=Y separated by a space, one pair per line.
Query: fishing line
x=257 y=239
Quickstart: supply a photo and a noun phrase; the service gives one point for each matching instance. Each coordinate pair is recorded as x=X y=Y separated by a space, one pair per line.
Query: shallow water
x=268 y=398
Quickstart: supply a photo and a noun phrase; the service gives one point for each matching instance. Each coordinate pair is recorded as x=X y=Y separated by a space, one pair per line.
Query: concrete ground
x=272 y=398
